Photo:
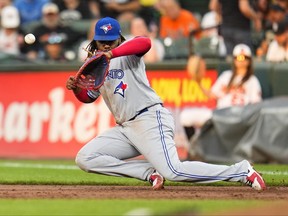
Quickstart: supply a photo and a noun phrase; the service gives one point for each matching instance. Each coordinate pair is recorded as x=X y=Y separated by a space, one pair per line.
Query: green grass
x=54 y=172
x=64 y=172
x=117 y=207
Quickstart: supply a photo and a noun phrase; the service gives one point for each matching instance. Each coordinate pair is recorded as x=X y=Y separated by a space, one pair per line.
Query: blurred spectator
x=52 y=32
x=150 y=14
x=262 y=49
x=235 y=87
x=11 y=37
x=54 y=51
x=138 y=27
x=237 y=16
x=211 y=43
x=71 y=10
x=176 y=22
x=30 y=10
x=278 y=48
x=262 y=8
x=275 y=15
x=122 y=10
x=94 y=9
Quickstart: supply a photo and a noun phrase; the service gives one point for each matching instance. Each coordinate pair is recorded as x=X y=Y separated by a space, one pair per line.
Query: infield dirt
x=145 y=192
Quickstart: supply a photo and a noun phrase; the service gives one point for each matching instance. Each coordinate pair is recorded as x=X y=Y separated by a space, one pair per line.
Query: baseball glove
x=93 y=72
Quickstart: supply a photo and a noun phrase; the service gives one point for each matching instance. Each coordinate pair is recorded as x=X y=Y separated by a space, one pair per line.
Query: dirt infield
x=145 y=192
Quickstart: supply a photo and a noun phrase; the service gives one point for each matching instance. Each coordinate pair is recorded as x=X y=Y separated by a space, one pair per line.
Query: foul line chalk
x=39 y=166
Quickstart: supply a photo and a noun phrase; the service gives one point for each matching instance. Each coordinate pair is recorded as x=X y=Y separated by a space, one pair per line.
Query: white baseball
x=29 y=38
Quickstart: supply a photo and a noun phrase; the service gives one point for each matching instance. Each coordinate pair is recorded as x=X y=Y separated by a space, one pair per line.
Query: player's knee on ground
x=87 y=162
x=81 y=162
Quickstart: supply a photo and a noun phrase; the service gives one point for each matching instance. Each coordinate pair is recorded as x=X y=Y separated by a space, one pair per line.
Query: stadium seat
x=206 y=47
x=176 y=49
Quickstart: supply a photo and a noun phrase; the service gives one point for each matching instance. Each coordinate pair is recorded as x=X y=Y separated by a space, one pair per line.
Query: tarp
x=257 y=132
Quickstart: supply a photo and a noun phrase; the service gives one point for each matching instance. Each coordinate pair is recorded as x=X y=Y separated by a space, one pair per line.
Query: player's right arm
x=138 y=46
x=80 y=94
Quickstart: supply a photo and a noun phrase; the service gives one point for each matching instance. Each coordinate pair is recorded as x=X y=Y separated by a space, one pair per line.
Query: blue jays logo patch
x=120 y=89
x=106 y=28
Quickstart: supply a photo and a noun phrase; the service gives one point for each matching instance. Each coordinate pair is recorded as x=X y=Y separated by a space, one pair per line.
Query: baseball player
x=144 y=126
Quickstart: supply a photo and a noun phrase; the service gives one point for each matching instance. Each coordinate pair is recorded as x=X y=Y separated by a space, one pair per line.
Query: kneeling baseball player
x=144 y=126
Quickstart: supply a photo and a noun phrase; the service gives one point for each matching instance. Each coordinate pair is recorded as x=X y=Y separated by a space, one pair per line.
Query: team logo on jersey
x=120 y=89
x=106 y=28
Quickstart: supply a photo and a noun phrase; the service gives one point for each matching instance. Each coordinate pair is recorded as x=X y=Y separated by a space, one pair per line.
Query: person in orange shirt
x=176 y=22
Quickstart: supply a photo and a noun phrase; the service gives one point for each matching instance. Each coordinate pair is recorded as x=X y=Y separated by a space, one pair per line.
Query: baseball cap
x=50 y=8
x=277 y=7
x=242 y=49
x=10 y=17
x=209 y=20
x=279 y=28
x=107 y=29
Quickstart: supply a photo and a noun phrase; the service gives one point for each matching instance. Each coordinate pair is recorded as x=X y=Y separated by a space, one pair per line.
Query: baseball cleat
x=157 y=181
x=255 y=180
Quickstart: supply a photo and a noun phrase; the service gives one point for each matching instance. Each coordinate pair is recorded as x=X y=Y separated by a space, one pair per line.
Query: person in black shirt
x=123 y=10
x=73 y=10
x=237 y=18
x=50 y=31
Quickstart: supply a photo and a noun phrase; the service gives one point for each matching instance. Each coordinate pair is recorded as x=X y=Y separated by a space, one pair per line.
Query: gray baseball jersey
x=126 y=89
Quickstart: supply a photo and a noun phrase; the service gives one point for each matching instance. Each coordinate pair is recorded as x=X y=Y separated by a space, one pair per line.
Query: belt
x=144 y=110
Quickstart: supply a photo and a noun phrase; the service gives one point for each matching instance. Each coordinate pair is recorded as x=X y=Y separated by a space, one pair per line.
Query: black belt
x=144 y=110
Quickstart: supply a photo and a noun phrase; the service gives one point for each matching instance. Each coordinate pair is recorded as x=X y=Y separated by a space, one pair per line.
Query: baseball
x=29 y=38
